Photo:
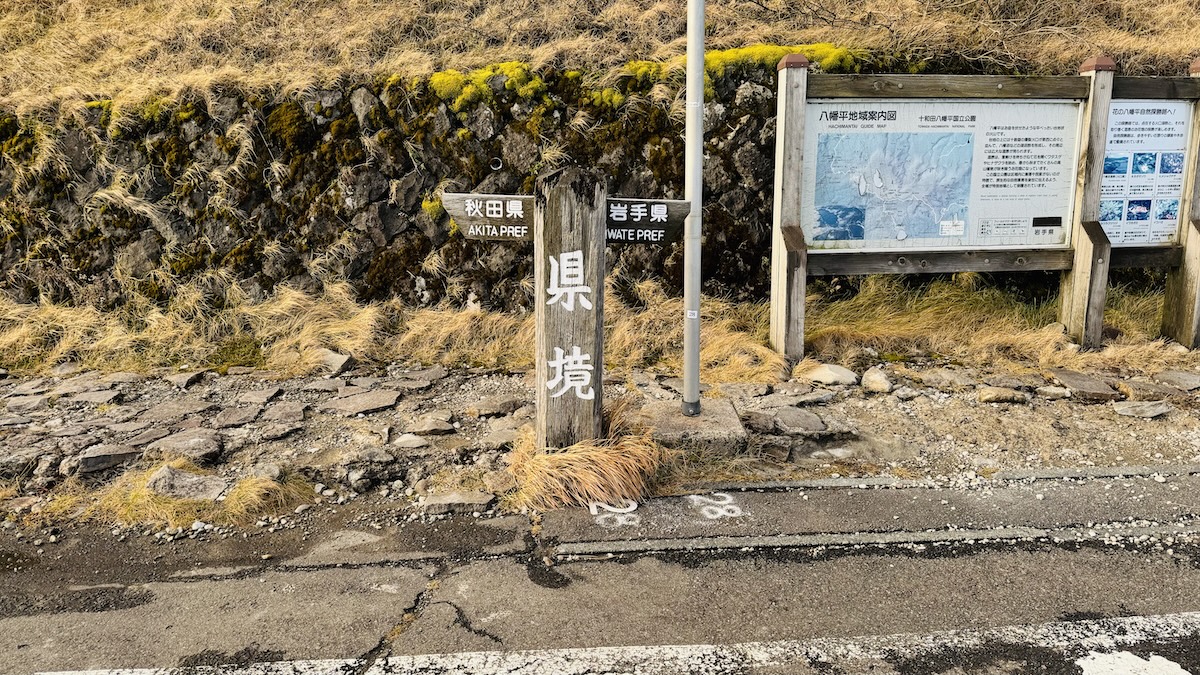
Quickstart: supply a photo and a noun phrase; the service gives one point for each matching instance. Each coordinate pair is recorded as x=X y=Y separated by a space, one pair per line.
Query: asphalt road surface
x=1085 y=576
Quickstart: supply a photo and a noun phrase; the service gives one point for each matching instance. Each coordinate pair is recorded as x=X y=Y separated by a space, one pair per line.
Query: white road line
x=1095 y=643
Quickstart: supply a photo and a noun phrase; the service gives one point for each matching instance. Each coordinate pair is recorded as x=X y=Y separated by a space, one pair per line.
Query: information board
x=1142 y=185
x=933 y=174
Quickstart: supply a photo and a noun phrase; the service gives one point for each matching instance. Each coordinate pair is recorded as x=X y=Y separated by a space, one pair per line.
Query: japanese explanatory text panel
x=934 y=174
x=1142 y=185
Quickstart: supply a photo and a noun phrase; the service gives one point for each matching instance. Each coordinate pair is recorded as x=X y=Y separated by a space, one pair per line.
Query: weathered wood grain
x=1172 y=88
x=1181 y=305
x=569 y=217
x=788 y=250
x=946 y=86
x=1083 y=293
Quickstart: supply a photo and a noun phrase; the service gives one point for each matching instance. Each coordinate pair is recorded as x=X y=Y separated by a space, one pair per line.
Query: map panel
x=932 y=174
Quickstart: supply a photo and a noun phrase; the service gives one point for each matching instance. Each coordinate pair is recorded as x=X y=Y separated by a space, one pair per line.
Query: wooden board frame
x=1086 y=265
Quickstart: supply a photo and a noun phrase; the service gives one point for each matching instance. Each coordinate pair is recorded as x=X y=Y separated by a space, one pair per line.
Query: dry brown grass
x=985 y=327
x=127 y=501
x=8 y=490
x=52 y=50
x=608 y=470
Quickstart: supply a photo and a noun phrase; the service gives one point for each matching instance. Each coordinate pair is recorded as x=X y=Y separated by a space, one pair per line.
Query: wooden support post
x=788 y=250
x=1083 y=294
x=1181 y=308
x=568 y=240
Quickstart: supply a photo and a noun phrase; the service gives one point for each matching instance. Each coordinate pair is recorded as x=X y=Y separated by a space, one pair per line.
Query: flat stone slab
x=287 y=411
x=717 y=429
x=260 y=397
x=1083 y=387
x=201 y=445
x=106 y=456
x=946 y=379
x=796 y=421
x=16 y=461
x=361 y=404
x=36 y=386
x=1185 y=380
x=1144 y=409
x=436 y=423
x=335 y=363
x=324 y=385
x=496 y=406
x=1140 y=389
x=410 y=441
x=457 y=502
x=185 y=380
x=236 y=417
x=173 y=411
x=280 y=430
x=149 y=436
x=1002 y=395
x=103 y=397
x=23 y=404
x=178 y=484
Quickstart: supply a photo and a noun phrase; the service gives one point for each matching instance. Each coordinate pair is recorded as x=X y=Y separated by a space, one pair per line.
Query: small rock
x=1179 y=378
x=945 y=379
x=103 y=397
x=32 y=387
x=325 y=385
x=410 y=441
x=362 y=404
x=1053 y=393
x=1002 y=395
x=287 y=411
x=876 y=381
x=457 y=502
x=149 y=436
x=499 y=481
x=280 y=430
x=260 y=397
x=107 y=456
x=431 y=425
x=410 y=385
x=1140 y=389
x=24 y=404
x=185 y=380
x=817 y=397
x=745 y=389
x=1083 y=387
x=236 y=417
x=1145 y=409
x=302 y=508
x=496 y=406
x=831 y=373
x=65 y=369
x=179 y=484
x=759 y=422
x=906 y=393
x=201 y=445
x=797 y=421
x=268 y=470
x=335 y=363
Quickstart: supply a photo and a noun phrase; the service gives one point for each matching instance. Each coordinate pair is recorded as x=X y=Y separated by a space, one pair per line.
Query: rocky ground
x=416 y=442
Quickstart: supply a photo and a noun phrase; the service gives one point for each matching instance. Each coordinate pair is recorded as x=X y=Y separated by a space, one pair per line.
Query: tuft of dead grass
x=128 y=500
x=605 y=470
x=983 y=326
x=8 y=490
x=135 y=49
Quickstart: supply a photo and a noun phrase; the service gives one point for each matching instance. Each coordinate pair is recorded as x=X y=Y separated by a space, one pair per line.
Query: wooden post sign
x=570 y=220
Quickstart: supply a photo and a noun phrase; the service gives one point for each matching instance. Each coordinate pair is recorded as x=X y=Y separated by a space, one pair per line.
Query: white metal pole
x=693 y=190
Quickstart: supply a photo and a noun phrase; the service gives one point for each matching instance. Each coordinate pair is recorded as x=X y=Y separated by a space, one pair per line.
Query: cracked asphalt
x=368 y=596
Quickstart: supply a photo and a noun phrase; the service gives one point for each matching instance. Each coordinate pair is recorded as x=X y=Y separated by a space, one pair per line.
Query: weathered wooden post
x=570 y=220
x=568 y=239
x=1085 y=286
x=788 y=249
x=1181 y=308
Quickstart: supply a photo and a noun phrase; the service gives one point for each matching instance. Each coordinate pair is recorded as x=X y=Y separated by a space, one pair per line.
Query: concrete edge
x=1099 y=532
x=1008 y=475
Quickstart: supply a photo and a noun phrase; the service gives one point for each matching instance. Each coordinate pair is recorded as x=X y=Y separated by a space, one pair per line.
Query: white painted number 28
x=716 y=506
x=615 y=516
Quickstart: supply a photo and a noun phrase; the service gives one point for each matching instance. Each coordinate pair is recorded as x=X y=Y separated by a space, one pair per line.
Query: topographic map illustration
x=880 y=186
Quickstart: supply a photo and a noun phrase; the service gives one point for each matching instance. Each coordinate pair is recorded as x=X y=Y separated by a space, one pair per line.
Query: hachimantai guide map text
x=926 y=174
